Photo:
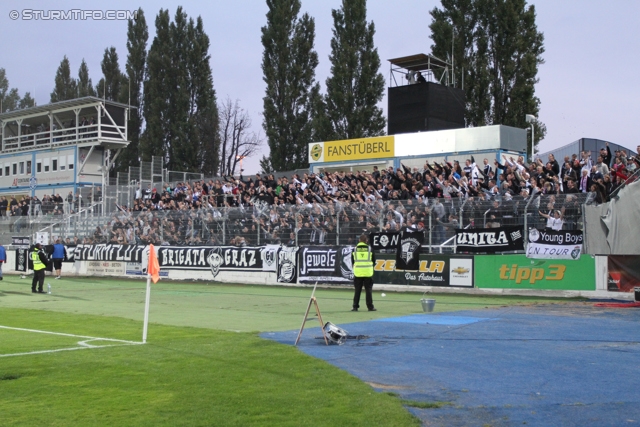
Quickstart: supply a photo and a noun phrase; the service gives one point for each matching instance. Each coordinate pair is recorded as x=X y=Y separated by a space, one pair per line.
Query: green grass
x=194 y=370
x=230 y=307
x=184 y=376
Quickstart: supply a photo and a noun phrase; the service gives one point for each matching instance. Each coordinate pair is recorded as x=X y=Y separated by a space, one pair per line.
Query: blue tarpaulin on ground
x=564 y=365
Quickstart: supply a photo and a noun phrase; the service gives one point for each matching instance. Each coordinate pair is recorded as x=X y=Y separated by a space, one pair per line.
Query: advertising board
x=520 y=272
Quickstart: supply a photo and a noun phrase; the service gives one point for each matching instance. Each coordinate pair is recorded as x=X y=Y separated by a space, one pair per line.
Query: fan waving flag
x=154 y=266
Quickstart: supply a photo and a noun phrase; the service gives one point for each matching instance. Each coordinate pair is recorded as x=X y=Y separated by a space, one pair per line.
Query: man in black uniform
x=40 y=261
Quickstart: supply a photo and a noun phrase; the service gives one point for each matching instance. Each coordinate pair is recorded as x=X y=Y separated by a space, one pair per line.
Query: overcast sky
x=589 y=85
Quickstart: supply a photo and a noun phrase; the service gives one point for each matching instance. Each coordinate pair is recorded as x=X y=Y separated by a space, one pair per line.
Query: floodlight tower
x=530 y=118
x=240 y=158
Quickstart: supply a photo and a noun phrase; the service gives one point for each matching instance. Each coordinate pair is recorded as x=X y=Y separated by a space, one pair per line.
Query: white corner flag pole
x=146 y=310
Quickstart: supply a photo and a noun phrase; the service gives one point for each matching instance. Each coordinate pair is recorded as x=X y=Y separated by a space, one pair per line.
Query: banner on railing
x=69 y=254
x=269 y=254
x=490 y=240
x=21 y=242
x=408 y=252
x=551 y=244
x=287 y=265
x=107 y=252
x=215 y=258
x=325 y=264
x=22 y=256
x=433 y=270
x=380 y=241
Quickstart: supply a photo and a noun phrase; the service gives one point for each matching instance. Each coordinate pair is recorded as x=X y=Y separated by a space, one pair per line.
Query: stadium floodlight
x=530 y=118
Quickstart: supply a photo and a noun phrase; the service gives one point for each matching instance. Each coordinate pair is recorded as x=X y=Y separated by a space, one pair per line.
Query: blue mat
x=534 y=366
x=433 y=319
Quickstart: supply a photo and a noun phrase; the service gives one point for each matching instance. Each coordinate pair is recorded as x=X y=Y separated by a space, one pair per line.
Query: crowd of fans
x=53 y=204
x=336 y=207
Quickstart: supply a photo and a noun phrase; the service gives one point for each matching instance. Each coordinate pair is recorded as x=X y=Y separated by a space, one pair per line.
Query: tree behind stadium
x=10 y=98
x=355 y=86
x=65 y=85
x=85 y=87
x=289 y=64
x=179 y=103
x=137 y=37
x=496 y=53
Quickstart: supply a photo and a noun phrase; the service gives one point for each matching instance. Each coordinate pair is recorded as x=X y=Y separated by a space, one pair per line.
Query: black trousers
x=38 y=279
x=359 y=282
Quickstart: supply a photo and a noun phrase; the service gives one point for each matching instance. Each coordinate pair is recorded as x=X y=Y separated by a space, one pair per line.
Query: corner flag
x=153 y=273
x=153 y=266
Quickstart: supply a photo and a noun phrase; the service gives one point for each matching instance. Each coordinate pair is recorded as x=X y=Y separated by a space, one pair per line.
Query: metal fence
x=321 y=224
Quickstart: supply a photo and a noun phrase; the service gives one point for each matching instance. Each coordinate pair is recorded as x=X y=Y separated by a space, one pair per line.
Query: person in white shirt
x=554 y=220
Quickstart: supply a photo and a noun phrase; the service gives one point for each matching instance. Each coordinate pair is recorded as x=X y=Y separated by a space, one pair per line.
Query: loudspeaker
x=423 y=107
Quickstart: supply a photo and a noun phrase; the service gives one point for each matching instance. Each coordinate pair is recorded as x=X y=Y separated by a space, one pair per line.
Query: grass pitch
x=193 y=370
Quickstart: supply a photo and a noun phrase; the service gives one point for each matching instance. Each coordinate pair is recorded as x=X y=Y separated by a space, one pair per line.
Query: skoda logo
x=316 y=152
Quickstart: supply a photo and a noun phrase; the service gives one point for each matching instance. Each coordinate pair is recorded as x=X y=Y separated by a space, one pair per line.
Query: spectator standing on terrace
x=605 y=152
x=568 y=174
x=25 y=207
x=554 y=220
x=570 y=187
x=4 y=204
x=146 y=193
x=494 y=216
x=363 y=262
x=586 y=161
x=70 y=201
x=486 y=168
x=439 y=216
x=554 y=164
x=584 y=181
x=600 y=191
x=601 y=166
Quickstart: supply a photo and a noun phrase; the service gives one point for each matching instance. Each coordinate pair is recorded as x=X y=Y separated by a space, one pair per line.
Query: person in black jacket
x=40 y=261
x=605 y=152
x=4 y=204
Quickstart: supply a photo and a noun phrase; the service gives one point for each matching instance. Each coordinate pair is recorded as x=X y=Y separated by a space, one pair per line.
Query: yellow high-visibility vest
x=37 y=264
x=362 y=261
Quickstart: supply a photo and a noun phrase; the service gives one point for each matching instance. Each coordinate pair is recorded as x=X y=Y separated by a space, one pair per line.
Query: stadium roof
x=419 y=62
x=62 y=105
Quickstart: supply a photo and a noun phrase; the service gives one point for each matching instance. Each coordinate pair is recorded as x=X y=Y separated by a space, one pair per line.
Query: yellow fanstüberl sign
x=378 y=147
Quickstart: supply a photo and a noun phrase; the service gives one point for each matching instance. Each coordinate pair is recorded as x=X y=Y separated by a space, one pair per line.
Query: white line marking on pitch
x=83 y=344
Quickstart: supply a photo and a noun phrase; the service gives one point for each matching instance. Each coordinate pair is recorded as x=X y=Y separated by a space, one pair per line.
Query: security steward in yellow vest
x=40 y=261
x=363 y=261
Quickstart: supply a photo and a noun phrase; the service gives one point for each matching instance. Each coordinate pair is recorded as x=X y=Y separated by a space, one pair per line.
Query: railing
x=48 y=138
x=632 y=178
x=71 y=225
x=315 y=224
